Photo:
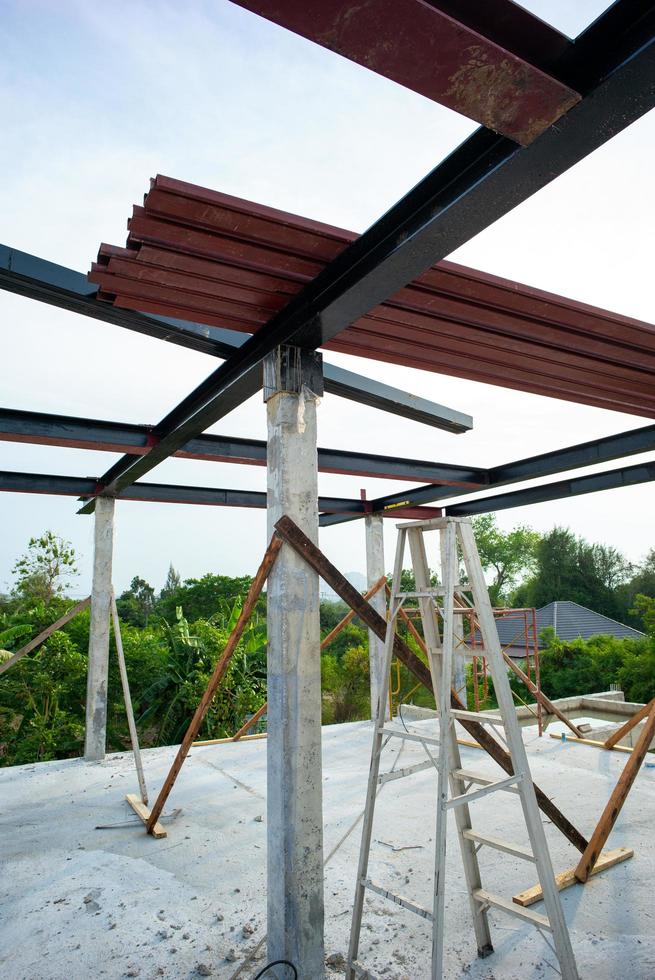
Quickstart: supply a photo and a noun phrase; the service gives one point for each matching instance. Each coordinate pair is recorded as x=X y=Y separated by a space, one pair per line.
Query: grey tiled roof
x=568 y=619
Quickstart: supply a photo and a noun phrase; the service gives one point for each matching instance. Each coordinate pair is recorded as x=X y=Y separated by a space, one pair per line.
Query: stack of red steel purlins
x=204 y=256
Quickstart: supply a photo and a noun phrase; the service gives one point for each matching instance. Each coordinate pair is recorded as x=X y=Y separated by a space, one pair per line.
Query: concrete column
x=292 y=382
x=96 y=689
x=374 y=570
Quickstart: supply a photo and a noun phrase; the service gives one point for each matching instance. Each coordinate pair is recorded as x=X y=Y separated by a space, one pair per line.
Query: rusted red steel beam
x=424 y=48
x=209 y=257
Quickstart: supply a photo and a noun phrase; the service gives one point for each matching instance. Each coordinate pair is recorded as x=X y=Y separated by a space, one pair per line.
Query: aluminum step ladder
x=457 y=788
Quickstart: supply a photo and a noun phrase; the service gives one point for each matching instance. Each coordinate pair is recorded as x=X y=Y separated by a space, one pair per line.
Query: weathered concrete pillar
x=374 y=570
x=292 y=383
x=96 y=688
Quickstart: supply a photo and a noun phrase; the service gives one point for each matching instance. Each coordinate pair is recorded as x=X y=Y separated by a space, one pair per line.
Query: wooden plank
x=230 y=739
x=127 y=697
x=217 y=676
x=567 y=878
x=629 y=725
x=617 y=799
x=590 y=741
x=143 y=813
x=42 y=637
x=330 y=574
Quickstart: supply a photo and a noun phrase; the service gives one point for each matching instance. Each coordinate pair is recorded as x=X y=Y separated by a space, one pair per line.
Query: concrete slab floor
x=78 y=901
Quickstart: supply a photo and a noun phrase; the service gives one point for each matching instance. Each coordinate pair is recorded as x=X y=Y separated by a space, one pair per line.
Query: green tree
x=569 y=568
x=172 y=583
x=137 y=603
x=43 y=572
x=202 y=598
x=508 y=555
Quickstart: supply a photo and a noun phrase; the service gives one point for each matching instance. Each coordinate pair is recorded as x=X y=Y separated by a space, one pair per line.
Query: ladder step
x=438 y=590
x=387 y=777
x=405 y=902
x=498 y=902
x=397 y=733
x=491 y=787
x=469 y=776
x=481 y=717
x=500 y=845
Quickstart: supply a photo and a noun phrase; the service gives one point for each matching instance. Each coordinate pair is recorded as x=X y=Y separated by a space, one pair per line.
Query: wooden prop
x=616 y=800
x=332 y=635
x=590 y=741
x=251 y=721
x=48 y=631
x=317 y=560
x=348 y=618
x=567 y=878
x=629 y=725
x=143 y=812
x=540 y=696
x=127 y=697
x=219 y=672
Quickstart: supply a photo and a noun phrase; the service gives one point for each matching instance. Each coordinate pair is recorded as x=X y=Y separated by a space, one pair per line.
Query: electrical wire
x=277 y=963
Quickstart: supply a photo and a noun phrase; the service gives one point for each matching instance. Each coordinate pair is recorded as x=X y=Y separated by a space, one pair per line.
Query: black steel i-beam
x=627 y=476
x=41 y=428
x=162 y=493
x=602 y=450
x=13 y=482
x=613 y=63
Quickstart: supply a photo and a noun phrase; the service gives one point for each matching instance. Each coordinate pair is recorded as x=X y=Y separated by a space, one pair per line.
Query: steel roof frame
x=488 y=175
x=448 y=480
x=35 y=278
x=612 y=63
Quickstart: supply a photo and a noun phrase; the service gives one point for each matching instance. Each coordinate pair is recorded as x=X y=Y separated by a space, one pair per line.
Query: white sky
x=97 y=98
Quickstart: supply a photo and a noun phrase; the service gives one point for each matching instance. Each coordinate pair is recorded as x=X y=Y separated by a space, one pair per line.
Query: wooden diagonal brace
x=315 y=558
x=219 y=672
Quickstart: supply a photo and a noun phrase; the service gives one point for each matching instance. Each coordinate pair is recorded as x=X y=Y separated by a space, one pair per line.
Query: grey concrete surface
x=76 y=901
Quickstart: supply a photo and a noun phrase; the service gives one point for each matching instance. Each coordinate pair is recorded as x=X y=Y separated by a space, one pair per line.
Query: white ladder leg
x=374 y=771
x=462 y=817
x=518 y=754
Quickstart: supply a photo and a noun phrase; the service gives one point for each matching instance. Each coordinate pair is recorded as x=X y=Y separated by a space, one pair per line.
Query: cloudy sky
x=97 y=98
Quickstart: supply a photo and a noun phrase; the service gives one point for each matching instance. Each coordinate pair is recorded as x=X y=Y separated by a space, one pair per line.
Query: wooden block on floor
x=565 y=879
x=143 y=812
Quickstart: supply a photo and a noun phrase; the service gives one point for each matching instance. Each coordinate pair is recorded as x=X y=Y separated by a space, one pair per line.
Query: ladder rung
x=469 y=776
x=396 y=733
x=500 y=845
x=438 y=590
x=498 y=902
x=481 y=717
x=477 y=794
x=386 y=777
x=399 y=900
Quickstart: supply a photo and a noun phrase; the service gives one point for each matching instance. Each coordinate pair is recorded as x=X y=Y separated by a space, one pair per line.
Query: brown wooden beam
x=315 y=558
x=617 y=799
x=219 y=672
